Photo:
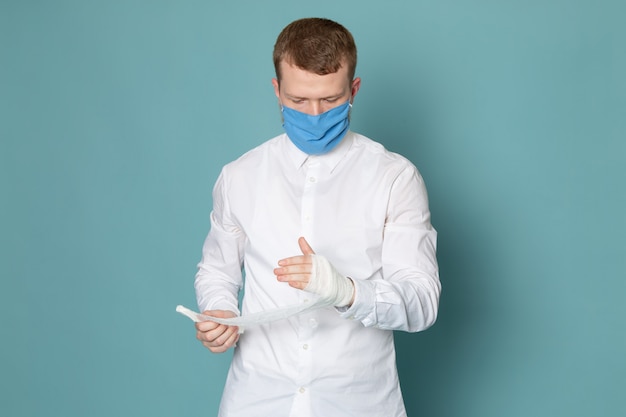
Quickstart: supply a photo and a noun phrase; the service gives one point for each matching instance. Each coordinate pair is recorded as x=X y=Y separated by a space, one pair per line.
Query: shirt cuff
x=364 y=306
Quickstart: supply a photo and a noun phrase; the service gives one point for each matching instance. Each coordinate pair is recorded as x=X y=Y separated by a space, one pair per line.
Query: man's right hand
x=218 y=338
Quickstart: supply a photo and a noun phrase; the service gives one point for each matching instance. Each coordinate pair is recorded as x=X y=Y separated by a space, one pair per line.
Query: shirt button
x=312 y=179
x=305 y=346
x=313 y=323
x=302 y=390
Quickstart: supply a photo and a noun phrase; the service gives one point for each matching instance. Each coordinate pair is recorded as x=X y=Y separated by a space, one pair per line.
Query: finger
x=215 y=349
x=225 y=341
x=232 y=340
x=224 y=347
x=210 y=336
x=295 y=260
x=303 y=278
x=217 y=337
x=305 y=247
x=293 y=269
x=206 y=326
x=298 y=284
x=295 y=281
x=227 y=335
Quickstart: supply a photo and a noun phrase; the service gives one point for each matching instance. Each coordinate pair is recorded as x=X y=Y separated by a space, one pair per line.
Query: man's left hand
x=314 y=273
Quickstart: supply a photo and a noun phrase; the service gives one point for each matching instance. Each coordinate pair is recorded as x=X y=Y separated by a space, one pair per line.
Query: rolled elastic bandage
x=330 y=285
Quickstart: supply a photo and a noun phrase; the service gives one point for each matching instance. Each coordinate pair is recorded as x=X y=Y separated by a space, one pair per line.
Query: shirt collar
x=330 y=159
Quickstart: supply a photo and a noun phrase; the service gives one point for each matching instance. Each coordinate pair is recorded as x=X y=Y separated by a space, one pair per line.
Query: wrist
x=349 y=293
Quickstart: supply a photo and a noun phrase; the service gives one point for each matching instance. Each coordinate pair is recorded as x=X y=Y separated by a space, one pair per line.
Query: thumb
x=304 y=247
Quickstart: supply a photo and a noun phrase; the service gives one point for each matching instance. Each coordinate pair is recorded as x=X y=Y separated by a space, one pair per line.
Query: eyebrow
x=292 y=97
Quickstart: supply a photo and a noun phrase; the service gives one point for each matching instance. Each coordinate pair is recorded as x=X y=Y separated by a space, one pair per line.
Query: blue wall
x=116 y=116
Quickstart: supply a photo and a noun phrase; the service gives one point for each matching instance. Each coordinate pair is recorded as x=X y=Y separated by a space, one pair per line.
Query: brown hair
x=317 y=45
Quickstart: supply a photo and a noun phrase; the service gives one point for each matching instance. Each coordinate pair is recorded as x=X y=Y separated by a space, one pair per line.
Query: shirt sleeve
x=219 y=277
x=407 y=296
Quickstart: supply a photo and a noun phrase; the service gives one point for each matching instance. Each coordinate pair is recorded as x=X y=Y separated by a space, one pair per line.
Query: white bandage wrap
x=330 y=285
x=255 y=318
x=332 y=288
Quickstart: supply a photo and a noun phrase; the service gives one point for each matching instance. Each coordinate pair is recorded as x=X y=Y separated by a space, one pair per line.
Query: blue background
x=116 y=117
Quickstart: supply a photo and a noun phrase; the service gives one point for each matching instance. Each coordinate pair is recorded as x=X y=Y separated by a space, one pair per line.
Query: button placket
x=304 y=347
x=308 y=196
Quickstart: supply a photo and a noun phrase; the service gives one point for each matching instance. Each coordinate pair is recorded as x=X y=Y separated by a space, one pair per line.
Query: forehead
x=297 y=82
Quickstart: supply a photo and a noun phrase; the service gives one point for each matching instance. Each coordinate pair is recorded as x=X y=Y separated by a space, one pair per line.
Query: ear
x=276 y=87
x=356 y=85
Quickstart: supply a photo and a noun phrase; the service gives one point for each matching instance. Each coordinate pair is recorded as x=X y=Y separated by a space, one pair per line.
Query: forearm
x=215 y=292
x=219 y=277
x=404 y=293
x=409 y=305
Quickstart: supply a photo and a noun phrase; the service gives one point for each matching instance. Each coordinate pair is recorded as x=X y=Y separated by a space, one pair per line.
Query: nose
x=316 y=108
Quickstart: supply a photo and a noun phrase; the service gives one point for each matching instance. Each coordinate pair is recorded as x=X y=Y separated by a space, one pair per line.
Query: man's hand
x=296 y=271
x=314 y=273
x=218 y=338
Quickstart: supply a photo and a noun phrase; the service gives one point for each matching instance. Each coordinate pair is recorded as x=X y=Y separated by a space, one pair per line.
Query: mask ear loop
x=281 y=108
x=350 y=111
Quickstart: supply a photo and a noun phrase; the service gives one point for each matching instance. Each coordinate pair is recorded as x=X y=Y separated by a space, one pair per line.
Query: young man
x=317 y=212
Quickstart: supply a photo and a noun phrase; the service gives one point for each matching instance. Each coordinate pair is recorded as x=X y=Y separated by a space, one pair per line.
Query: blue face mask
x=319 y=134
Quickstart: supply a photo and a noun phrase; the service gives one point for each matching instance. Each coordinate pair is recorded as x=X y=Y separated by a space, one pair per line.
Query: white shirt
x=366 y=210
